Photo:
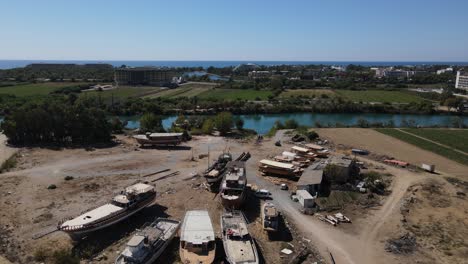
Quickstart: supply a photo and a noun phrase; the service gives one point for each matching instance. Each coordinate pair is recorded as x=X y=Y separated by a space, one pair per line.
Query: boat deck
x=238 y=244
x=93 y=215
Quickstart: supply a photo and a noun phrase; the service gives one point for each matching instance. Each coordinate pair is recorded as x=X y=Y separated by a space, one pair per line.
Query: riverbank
x=262 y=123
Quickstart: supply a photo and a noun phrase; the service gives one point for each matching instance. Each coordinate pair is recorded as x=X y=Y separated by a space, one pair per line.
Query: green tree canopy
x=223 y=122
x=150 y=122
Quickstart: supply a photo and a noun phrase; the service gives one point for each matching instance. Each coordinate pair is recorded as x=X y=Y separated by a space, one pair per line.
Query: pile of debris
x=334 y=219
x=406 y=244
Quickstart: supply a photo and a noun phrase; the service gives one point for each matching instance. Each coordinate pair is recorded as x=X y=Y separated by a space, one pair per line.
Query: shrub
x=240 y=124
x=9 y=164
x=223 y=122
x=207 y=127
x=150 y=122
x=40 y=255
x=64 y=257
x=311 y=135
x=291 y=124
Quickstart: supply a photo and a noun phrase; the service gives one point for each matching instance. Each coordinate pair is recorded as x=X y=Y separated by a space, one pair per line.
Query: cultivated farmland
x=379 y=96
x=455 y=138
x=233 y=94
x=307 y=93
x=185 y=90
x=424 y=144
x=122 y=92
x=36 y=88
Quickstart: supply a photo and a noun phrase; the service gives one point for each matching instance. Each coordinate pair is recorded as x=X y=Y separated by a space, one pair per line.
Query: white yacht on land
x=238 y=244
x=130 y=201
x=149 y=243
x=197 y=238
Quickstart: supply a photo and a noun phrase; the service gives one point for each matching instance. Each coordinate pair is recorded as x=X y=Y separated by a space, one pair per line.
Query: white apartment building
x=439 y=72
x=462 y=81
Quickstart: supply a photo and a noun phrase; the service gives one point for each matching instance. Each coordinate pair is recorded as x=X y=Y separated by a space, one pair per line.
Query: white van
x=262 y=193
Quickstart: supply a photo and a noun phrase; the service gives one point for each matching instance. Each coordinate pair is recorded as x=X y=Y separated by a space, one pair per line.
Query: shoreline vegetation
x=53 y=104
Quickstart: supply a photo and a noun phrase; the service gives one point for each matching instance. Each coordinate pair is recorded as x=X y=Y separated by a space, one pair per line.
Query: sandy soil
x=5 y=152
x=385 y=145
x=28 y=207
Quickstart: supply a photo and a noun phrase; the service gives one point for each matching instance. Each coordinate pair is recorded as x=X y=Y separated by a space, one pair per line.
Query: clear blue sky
x=341 y=30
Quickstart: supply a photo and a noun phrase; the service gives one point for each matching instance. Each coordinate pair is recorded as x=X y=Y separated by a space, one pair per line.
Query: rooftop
x=340 y=160
x=197 y=227
x=300 y=149
x=304 y=194
x=311 y=176
x=314 y=146
x=277 y=164
x=139 y=188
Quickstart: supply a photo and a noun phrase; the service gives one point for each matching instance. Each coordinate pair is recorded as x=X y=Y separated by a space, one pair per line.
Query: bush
x=9 y=164
x=311 y=135
x=64 y=257
x=52 y=187
x=207 y=127
x=240 y=124
x=40 y=255
x=291 y=124
x=224 y=122
x=69 y=178
x=117 y=126
x=150 y=122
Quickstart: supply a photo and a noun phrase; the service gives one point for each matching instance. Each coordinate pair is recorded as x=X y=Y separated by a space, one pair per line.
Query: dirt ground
x=427 y=206
x=379 y=143
x=29 y=207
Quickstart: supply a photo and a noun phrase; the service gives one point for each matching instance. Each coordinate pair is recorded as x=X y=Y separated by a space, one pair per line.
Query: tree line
x=57 y=121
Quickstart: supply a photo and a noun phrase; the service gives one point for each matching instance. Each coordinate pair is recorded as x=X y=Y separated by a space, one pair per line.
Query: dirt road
x=361 y=247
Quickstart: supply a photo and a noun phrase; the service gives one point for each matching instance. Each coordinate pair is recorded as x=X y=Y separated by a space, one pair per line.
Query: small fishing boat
x=197 y=238
x=270 y=217
x=214 y=173
x=238 y=244
x=149 y=243
x=233 y=188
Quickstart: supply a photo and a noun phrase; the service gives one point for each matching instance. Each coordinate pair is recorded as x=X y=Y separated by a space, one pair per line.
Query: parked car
x=262 y=193
x=284 y=187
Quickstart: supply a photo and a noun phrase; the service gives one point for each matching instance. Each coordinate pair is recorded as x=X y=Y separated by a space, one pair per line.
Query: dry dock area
x=85 y=179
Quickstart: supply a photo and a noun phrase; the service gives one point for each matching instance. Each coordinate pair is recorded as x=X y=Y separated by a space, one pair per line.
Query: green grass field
x=36 y=88
x=455 y=138
x=307 y=92
x=233 y=94
x=187 y=90
x=379 y=96
x=123 y=92
x=421 y=143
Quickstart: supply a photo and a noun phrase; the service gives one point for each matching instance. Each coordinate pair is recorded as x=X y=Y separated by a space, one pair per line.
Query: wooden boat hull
x=187 y=257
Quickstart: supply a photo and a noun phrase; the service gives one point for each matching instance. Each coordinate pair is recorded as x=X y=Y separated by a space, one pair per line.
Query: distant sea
x=8 y=64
